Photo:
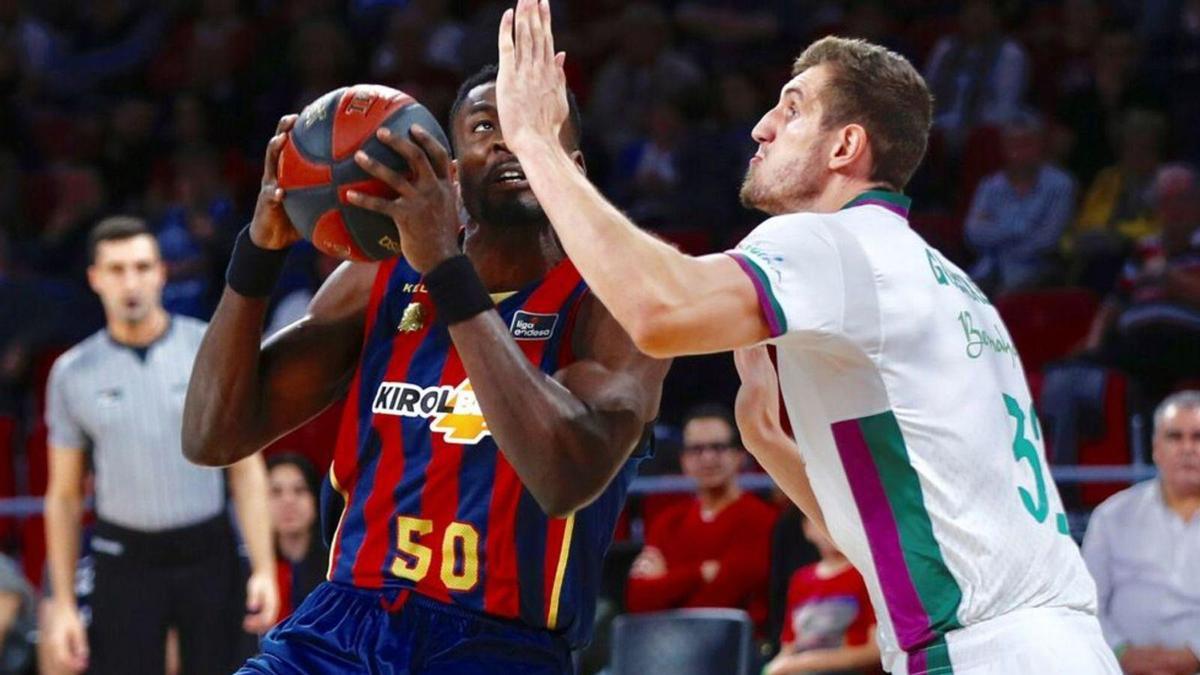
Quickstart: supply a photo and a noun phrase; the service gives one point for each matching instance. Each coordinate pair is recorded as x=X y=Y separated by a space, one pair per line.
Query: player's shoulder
x=789 y=225
x=789 y=238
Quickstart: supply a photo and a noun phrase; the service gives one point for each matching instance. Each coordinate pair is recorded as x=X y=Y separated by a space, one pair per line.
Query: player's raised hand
x=425 y=209
x=531 y=88
x=270 y=227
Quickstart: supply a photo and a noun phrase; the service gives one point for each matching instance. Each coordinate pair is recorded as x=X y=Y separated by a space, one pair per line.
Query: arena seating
x=693 y=641
x=1047 y=324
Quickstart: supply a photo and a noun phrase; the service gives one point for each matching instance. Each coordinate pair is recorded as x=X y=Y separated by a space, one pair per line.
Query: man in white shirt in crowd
x=1143 y=548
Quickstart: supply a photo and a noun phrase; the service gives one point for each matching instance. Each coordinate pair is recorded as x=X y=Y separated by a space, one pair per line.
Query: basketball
x=317 y=168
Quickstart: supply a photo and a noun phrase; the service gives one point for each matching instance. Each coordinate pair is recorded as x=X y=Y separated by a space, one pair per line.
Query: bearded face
x=786 y=181
x=790 y=169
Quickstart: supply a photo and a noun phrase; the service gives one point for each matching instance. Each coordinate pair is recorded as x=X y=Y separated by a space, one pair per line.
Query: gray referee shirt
x=128 y=408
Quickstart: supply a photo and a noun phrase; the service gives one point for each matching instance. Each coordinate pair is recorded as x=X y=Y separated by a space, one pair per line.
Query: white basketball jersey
x=913 y=416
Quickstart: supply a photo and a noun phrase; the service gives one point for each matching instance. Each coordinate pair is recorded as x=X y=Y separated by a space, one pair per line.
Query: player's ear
x=577 y=157
x=849 y=147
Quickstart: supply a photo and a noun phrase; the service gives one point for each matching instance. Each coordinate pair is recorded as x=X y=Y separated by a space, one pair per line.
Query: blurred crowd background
x=1061 y=172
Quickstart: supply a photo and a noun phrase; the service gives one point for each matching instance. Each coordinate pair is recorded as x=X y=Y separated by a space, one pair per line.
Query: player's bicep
x=307 y=365
x=618 y=383
x=717 y=311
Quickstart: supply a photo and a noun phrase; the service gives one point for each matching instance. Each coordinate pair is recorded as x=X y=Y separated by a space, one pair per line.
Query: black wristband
x=457 y=291
x=252 y=270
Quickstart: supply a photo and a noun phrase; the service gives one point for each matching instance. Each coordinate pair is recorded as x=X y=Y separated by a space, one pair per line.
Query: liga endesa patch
x=532 y=326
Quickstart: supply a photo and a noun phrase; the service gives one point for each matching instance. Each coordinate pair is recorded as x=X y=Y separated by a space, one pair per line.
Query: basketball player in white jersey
x=913 y=421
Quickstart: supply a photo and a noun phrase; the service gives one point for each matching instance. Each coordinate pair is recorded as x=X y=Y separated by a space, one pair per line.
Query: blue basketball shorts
x=344 y=629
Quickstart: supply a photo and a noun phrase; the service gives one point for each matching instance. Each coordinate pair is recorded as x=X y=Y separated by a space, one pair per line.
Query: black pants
x=146 y=582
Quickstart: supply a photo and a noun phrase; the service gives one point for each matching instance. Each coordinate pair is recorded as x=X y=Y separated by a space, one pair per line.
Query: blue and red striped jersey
x=427 y=500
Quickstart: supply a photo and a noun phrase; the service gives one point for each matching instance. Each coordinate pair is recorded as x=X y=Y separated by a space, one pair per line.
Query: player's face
x=709 y=455
x=1177 y=448
x=292 y=505
x=494 y=189
x=128 y=275
x=790 y=169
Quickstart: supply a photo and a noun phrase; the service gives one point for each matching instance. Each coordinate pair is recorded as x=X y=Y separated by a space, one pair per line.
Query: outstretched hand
x=425 y=208
x=531 y=87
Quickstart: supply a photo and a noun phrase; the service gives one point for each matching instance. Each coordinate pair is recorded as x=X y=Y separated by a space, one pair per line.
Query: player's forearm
x=779 y=455
x=644 y=282
x=221 y=409
x=248 y=486
x=64 y=516
x=559 y=447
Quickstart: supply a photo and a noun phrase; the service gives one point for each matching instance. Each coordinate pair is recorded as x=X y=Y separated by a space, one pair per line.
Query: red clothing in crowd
x=739 y=537
x=827 y=613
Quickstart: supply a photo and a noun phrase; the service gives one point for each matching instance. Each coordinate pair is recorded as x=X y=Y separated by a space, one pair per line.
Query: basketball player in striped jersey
x=495 y=415
x=916 y=442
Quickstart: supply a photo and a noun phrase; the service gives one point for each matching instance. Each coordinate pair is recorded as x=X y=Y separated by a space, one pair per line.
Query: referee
x=165 y=550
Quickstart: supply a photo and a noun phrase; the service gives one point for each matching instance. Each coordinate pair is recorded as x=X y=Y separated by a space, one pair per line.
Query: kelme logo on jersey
x=454 y=410
x=533 y=326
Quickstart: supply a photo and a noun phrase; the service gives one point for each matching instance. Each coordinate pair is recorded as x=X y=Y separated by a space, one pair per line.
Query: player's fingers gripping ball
x=317 y=168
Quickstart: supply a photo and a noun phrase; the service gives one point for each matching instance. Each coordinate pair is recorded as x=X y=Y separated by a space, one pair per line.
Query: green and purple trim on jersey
x=921 y=596
x=892 y=201
x=756 y=264
x=772 y=311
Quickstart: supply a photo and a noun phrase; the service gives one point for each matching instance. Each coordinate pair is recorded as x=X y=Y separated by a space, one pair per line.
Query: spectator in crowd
x=51 y=313
x=165 y=551
x=1183 y=79
x=195 y=233
x=1018 y=214
x=111 y=41
x=1090 y=109
x=302 y=557
x=17 y=619
x=734 y=32
x=1117 y=210
x=419 y=57
x=647 y=173
x=1150 y=325
x=829 y=626
x=320 y=56
x=1062 y=44
x=789 y=552
x=1143 y=548
x=978 y=76
x=712 y=551
x=642 y=72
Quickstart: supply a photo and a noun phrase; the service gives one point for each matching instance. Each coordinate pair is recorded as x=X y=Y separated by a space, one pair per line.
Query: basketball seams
x=319 y=168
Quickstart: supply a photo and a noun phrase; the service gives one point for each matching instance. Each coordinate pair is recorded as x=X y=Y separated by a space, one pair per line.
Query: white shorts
x=1042 y=641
